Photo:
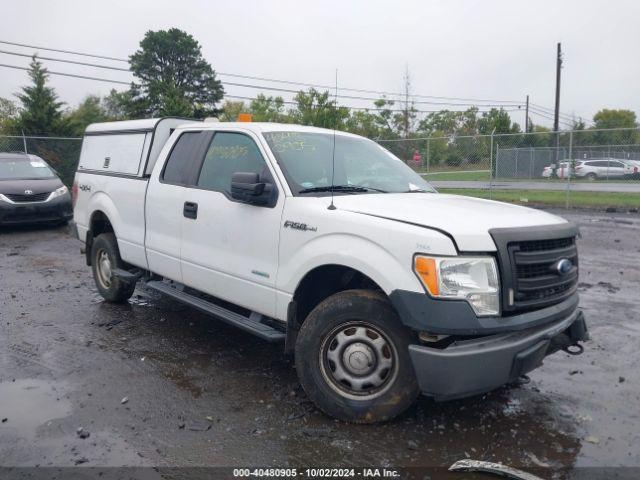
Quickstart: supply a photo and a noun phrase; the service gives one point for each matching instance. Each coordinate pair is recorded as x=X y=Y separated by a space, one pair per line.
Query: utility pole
x=406 y=113
x=526 y=116
x=556 y=115
x=407 y=88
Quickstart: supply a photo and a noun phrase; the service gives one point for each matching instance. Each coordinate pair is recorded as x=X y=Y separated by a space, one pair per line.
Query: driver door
x=230 y=248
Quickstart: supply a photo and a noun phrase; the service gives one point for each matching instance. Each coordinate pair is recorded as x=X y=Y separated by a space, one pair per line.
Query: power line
x=374 y=109
x=565 y=115
x=549 y=110
x=549 y=117
x=69 y=75
x=260 y=87
x=371 y=99
x=359 y=90
x=86 y=77
x=96 y=65
x=65 y=51
x=272 y=80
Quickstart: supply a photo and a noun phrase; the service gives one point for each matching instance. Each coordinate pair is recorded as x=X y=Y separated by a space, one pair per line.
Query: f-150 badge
x=299 y=226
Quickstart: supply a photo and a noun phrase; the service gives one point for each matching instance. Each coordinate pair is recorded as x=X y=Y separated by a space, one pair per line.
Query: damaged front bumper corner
x=478 y=365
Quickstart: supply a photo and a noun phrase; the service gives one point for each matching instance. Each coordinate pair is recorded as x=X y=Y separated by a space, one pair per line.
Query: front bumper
x=56 y=210
x=470 y=367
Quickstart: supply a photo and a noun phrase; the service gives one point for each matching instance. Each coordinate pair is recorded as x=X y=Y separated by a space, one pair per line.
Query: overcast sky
x=474 y=49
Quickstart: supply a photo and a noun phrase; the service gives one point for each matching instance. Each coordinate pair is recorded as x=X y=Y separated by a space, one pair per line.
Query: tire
x=591 y=176
x=105 y=257
x=363 y=325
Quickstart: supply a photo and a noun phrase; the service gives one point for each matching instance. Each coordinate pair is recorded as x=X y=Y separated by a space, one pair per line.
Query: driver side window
x=228 y=153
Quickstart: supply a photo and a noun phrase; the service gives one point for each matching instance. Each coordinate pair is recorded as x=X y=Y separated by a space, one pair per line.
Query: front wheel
x=105 y=258
x=353 y=360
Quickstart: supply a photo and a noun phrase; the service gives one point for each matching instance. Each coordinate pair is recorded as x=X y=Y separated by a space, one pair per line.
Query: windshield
x=305 y=159
x=23 y=168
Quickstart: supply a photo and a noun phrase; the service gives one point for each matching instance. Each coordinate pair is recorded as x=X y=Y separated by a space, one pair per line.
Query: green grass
x=468 y=176
x=484 y=176
x=553 y=198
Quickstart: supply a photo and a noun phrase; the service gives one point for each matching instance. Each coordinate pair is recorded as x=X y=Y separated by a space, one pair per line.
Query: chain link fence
x=578 y=167
x=591 y=166
x=61 y=153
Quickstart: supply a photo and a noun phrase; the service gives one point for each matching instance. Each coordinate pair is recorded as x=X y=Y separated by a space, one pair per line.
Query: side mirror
x=247 y=187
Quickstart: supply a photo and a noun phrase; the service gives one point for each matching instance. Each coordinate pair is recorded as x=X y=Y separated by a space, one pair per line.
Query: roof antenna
x=333 y=153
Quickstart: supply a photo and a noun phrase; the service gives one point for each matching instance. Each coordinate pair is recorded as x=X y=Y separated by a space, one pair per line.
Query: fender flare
x=355 y=252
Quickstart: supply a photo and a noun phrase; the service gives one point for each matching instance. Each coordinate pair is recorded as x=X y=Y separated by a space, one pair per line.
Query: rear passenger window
x=178 y=167
x=229 y=153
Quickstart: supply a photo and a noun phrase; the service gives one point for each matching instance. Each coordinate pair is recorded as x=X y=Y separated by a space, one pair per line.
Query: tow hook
x=566 y=344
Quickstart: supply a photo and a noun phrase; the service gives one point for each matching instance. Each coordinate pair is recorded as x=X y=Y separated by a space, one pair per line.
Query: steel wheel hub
x=358 y=361
x=104 y=268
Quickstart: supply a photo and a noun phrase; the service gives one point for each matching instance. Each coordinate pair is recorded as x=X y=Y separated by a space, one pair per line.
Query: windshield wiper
x=418 y=190
x=337 y=188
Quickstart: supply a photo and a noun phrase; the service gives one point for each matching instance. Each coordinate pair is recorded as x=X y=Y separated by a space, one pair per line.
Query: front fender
x=349 y=250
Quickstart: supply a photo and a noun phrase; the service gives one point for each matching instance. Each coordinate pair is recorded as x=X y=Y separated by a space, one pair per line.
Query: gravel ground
x=154 y=383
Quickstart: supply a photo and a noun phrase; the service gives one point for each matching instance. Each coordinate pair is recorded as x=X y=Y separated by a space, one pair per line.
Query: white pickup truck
x=382 y=287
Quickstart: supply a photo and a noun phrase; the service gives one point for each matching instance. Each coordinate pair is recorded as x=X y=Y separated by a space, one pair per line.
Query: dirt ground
x=154 y=383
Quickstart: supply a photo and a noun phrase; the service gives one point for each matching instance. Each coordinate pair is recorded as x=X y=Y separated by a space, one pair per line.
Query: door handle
x=190 y=210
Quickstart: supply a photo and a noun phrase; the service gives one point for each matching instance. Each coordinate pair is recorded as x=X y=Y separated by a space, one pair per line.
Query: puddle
x=27 y=404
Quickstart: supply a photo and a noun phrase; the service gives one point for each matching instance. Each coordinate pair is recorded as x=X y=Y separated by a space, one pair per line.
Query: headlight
x=4 y=199
x=474 y=279
x=59 y=192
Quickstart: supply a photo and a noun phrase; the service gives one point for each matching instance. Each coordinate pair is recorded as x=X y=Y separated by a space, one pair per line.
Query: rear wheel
x=105 y=258
x=353 y=360
x=591 y=176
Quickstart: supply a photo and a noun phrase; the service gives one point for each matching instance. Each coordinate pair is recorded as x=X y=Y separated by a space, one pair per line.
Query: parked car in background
x=561 y=172
x=601 y=168
x=632 y=168
x=31 y=191
x=593 y=169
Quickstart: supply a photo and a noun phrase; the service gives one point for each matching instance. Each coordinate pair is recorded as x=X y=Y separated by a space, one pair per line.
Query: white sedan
x=562 y=171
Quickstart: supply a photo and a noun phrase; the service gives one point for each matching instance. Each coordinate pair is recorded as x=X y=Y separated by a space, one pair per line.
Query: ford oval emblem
x=564 y=266
x=28 y=192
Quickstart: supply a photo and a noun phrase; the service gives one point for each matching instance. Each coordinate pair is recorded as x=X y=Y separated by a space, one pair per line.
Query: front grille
x=550 y=244
x=536 y=279
x=24 y=198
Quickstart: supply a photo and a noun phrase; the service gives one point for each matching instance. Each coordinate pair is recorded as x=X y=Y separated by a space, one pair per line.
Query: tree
x=174 y=78
x=363 y=123
x=498 y=119
x=8 y=115
x=606 y=119
x=542 y=138
x=117 y=104
x=41 y=110
x=88 y=112
x=269 y=109
x=384 y=118
x=316 y=109
x=231 y=110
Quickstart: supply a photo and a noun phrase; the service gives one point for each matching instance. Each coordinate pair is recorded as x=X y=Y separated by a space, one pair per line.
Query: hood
x=39 y=185
x=467 y=219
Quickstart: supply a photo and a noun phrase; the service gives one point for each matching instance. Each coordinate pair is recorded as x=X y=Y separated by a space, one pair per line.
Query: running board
x=250 y=324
